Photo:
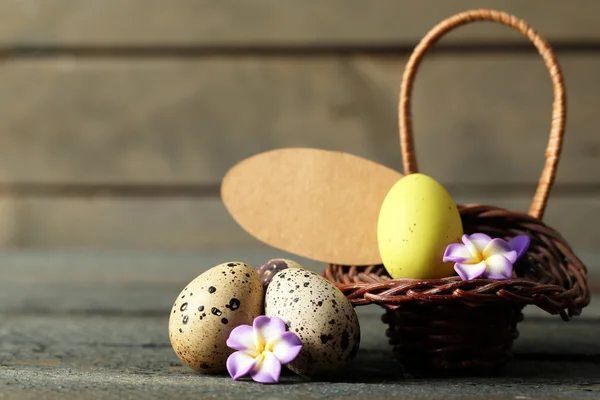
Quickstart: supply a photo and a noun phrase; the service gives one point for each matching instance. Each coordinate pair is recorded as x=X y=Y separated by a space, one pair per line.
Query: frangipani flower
x=482 y=256
x=262 y=348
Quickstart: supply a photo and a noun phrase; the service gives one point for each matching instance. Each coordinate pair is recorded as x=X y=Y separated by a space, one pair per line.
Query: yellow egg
x=417 y=221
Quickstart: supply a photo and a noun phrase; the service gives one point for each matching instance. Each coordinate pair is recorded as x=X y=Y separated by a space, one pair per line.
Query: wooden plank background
x=118 y=119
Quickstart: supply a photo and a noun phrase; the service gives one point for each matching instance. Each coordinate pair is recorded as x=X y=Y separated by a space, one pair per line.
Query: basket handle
x=553 y=150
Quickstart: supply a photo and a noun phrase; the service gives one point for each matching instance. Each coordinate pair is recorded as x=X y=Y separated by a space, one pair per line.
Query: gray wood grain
x=41 y=337
x=113 y=283
x=112 y=340
x=176 y=224
x=183 y=22
x=478 y=120
x=132 y=355
x=190 y=224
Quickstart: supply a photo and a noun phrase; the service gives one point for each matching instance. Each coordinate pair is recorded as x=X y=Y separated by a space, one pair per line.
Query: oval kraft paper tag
x=317 y=204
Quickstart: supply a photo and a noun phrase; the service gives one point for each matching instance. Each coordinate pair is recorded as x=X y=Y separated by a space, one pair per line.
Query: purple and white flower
x=483 y=257
x=261 y=349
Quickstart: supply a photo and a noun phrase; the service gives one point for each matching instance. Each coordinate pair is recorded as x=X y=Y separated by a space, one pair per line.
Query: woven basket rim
x=561 y=289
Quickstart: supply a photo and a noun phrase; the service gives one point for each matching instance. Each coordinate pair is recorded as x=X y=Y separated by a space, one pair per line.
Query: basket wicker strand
x=454 y=326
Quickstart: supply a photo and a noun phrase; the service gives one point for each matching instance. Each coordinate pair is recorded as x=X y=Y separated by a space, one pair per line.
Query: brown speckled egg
x=270 y=268
x=321 y=316
x=208 y=309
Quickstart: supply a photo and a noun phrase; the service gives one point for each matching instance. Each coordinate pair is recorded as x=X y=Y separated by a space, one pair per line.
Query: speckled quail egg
x=322 y=317
x=270 y=268
x=208 y=309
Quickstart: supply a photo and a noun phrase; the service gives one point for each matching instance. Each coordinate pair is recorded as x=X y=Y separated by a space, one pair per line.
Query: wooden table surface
x=83 y=325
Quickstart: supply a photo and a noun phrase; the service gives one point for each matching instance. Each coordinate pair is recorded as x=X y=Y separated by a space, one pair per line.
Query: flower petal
x=287 y=347
x=457 y=252
x=268 y=370
x=500 y=247
x=480 y=240
x=520 y=244
x=242 y=338
x=267 y=329
x=498 y=267
x=239 y=364
x=475 y=253
x=470 y=271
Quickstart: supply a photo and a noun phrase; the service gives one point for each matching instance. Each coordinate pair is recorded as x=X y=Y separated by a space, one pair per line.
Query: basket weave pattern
x=452 y=325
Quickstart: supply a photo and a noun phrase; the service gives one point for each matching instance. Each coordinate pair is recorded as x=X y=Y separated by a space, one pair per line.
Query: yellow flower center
x=479 y=258
x=261 y=347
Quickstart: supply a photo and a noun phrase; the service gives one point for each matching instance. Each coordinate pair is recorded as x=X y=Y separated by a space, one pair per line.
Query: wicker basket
x=455 y=326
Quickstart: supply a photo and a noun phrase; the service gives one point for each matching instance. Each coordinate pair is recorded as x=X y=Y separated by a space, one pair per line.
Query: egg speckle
x=321 y=316
x=208 y=309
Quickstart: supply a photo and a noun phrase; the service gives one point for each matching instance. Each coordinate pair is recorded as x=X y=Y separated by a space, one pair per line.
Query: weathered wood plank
x=185 y=22
x=132 y=356
x=24 y=336
x=203 y=224
x=82 y=268
x=138 y=298
x=477 y=119
x=82 y=384
x=138 y=283
x=113 y=338
x=123 y=224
